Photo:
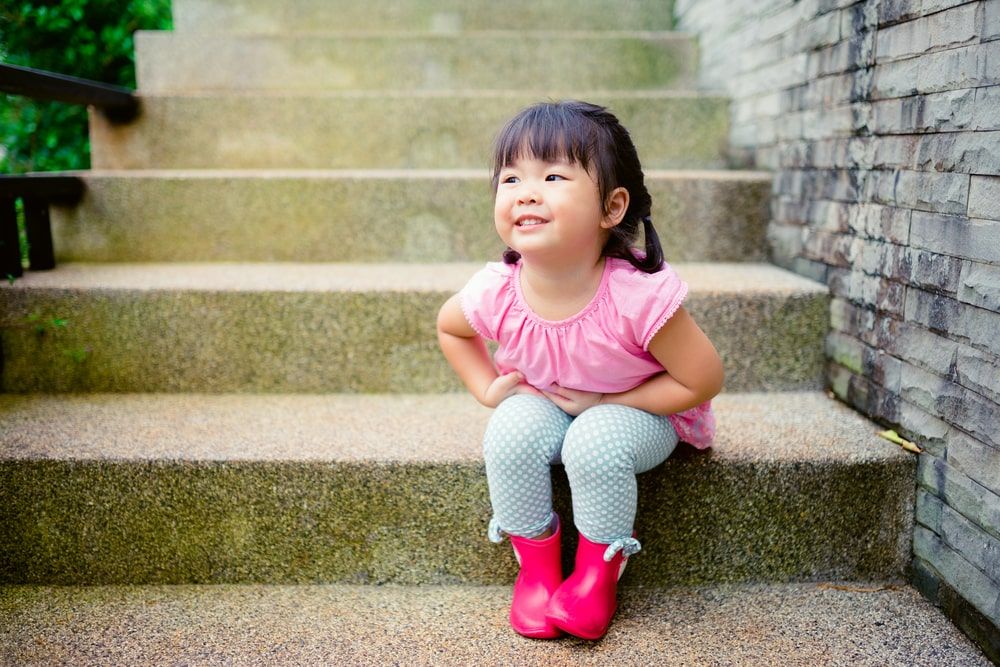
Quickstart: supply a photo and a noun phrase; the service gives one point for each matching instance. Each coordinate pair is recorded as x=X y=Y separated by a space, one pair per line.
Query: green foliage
x=91 y=39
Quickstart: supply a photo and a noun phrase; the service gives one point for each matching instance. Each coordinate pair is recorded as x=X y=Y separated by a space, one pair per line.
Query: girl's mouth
x=529 y=222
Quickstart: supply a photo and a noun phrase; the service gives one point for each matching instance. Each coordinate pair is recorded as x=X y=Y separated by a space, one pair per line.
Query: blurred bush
x=91 y=39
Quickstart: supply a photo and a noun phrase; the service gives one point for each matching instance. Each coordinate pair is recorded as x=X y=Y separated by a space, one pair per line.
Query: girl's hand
x=573 y=401
x=506 y=386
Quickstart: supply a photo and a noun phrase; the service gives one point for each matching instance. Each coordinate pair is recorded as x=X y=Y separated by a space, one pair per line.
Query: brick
x=927 y=431
x=816 y=33
x=884 y=295
x=788 y=211
x=818 y=271
x=895 y=152
x=839 y=380
x=919 y=346
x=966 y=67
x=928 y=511
x=888 y=223
x=966 y=579
x=978 y=547
x=984 y=197
x=925 y=191
x=832 y=249
x=949 y=111
x=952 y=402
x=887 y=371
x=933 y=271
x=855 y=52
x=962 y=152
x=902 y=40
x=979 y=371
x=894 y=11
x=987 y=103
x=955 y=27
x=991 y=22
x=829 y=216
x=845 y=351
x=979 y=285
x=973 y=500
x=960 y=322
x=842 y=315
x=784 y=241
x=932 y=6
x=976 y=460
x=957 y=236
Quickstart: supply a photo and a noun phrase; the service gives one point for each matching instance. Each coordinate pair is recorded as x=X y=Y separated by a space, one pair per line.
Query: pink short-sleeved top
x=603 y=348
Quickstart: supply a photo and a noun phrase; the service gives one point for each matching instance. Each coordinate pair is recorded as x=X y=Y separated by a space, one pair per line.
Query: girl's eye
x=554 y=177
x=509 y=179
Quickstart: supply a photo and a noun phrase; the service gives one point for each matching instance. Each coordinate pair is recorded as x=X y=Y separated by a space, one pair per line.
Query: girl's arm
x=693 y=374
x=467 y=354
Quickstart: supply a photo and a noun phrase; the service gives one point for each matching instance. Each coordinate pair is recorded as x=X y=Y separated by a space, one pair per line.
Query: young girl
x=598 y=367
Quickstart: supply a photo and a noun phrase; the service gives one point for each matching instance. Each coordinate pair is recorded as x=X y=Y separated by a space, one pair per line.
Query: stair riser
x=380 y=131
x=122 y=340
x=341 y=219
x=266 y=16
x=192 y=62
x=166 y=522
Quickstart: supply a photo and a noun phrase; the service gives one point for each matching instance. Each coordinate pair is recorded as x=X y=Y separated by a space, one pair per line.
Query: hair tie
x=648 y=219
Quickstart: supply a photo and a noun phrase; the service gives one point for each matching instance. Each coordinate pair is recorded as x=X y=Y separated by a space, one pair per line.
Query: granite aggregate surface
x=843 y=623
x=781 y=426
x=704 y=278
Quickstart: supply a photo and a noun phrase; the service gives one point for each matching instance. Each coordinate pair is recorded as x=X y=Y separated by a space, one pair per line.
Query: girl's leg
x=522 y=440
x=604 y=449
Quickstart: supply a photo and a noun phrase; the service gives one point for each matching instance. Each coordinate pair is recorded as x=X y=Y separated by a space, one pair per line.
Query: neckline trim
x=598 y=297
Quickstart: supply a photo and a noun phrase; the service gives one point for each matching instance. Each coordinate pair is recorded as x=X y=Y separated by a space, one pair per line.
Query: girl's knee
x=596 y=441
x=523 y=426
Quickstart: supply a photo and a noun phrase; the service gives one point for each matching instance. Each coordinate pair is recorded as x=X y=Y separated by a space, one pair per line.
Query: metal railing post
x=10 y=244
x=41 y=256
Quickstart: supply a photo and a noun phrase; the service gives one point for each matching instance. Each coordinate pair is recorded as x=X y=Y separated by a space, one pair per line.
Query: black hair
x=591 y=136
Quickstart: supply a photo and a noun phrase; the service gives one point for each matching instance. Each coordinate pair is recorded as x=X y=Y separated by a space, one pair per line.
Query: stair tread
x=785 y=426
x=703 y=277
x=739 y=175
x=599 y=95
x=401 y=34
x=787 y=624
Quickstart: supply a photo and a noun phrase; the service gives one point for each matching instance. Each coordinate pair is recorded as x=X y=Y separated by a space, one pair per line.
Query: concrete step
x=148 y=488
x=858 y=623
x=362 y=130
x=285 y=327
x=368 y=216
x=509 y=60
x=265 y=16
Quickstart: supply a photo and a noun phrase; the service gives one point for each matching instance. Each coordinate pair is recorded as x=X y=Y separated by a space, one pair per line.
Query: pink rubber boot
x=540 y=576
x=585 y=603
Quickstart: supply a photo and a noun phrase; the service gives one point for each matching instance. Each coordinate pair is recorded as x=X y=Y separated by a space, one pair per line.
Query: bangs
x=547 y=132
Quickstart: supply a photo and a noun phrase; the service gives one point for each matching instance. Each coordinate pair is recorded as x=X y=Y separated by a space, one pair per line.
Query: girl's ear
x=616 y=208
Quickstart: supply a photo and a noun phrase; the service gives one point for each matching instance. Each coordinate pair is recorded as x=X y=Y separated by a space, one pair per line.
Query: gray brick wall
x=881 y=121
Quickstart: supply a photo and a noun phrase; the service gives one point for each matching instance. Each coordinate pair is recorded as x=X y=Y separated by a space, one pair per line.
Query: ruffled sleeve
x=487 y=297
x=648 y=300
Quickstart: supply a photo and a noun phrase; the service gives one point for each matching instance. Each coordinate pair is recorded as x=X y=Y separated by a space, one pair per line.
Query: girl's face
x=549 y=208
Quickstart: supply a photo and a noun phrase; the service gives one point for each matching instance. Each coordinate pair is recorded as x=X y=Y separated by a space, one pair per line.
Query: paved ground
x=795 y=624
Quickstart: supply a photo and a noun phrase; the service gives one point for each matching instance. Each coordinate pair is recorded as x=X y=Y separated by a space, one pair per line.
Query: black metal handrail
x=37 y=191
x=119 y=104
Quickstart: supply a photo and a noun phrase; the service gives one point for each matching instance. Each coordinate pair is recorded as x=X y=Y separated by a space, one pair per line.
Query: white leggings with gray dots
x=602 y=449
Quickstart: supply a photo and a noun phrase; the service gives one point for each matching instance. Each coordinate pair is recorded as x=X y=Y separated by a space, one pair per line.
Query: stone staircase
x=247 y=390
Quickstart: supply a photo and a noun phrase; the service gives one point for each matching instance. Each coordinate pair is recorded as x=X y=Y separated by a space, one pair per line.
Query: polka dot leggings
x=602 y=449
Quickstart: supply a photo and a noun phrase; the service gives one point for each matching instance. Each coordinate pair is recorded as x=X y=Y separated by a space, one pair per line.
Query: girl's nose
x=527 y=196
